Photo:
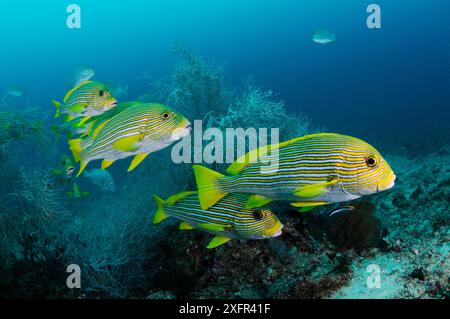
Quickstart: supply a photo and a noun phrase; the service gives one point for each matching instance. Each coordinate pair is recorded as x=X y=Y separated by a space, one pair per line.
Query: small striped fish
x=227 y=219
x=139 y=130
x=311 y=170
x=85 y=100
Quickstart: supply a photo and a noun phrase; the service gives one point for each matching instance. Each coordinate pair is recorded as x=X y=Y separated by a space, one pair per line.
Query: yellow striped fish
x=85 y=100
x=311 y=170
x=138 y=130
x=227 y=219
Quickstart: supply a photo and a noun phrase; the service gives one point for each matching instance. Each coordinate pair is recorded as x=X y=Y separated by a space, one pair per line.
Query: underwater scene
x=225 y=149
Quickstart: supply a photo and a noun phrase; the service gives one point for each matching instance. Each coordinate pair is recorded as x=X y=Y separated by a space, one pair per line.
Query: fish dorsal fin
x=314 y=190
x=237 y=166
x=74 y=89
x=172 y=200
x=213 y=227
x=98 y=128
x=217 y=241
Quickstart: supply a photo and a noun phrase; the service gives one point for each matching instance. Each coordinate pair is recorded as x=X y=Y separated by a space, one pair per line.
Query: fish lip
x=278 y=233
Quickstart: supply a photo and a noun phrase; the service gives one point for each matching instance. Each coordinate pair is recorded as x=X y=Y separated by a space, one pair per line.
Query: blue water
x=390 y=80
x=389 y=86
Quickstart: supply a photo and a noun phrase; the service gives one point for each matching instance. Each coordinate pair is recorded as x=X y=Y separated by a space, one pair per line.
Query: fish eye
x=258 y=215
x=165 y=115
x=101 y=93
x=371 y=161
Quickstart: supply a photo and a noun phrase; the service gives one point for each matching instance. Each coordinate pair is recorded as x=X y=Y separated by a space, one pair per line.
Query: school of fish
x=307 y=171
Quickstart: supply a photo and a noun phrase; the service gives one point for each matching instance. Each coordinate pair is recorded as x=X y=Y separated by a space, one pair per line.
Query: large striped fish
x=311 y=170
x=85 y=100
x=227 y=219
x=138 y=130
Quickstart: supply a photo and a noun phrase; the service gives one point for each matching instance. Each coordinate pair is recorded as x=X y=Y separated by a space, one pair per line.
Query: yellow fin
x=98 y=128
x=217 y=241
x=136 y=161
x=213 y=227
x=159 y=215
x=58 y=108
x=82 y=167
x=106 y=163
x=83 y=120
x=185 y=226
x=257 y=201
x=308 y=204
x=74 y=89
x=208 y=192
x=75 y=147
x=127 y=144
x=314 y=190
x=305 y=209
x=172 y=200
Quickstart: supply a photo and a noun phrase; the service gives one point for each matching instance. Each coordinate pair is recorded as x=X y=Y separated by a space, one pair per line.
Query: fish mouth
x=275 y=231
x=181 y=132
x=387 y=183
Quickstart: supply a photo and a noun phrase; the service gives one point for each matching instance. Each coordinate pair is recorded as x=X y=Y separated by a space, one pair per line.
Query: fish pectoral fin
x=213 y=227
x=106 y=163
x=160 y=215
x=257 y=201
x=136 y=161
x=217 y=241
x=127 y=144
x=185 y=226
x=314 y=190
x=308 y=204
x=77 y=108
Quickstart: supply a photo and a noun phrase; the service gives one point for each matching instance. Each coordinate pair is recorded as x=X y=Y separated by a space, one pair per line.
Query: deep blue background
x=389 y=81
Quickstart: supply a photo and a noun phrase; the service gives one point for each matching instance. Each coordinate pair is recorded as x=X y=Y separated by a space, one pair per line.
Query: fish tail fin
x=208 y=191
x=76 y=148
x=58 y=107
x=160 y=215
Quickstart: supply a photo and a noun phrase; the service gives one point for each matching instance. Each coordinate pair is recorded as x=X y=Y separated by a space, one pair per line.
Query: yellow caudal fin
x=208 y=192
x=136 y=161
x=58 y=108
x=257 y=201
x=159 y=215
x=217 y=241
x=75 y=147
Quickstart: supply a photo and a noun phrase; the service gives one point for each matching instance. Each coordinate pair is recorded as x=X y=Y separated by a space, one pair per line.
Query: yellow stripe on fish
x=312 y=170
x=138 y=130
x=227 y=219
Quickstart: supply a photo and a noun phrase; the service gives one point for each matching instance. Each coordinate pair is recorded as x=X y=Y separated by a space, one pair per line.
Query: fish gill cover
x=149 y=182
